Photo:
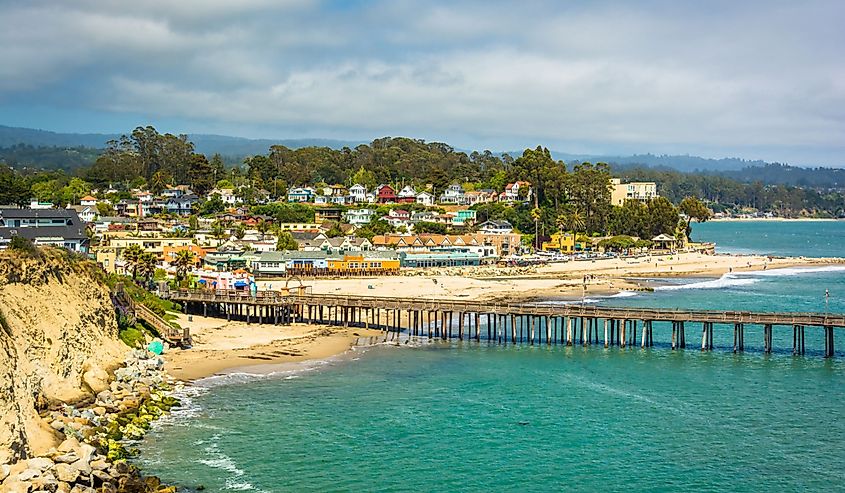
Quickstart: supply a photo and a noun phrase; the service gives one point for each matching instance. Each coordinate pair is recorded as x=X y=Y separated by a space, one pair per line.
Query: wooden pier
x=506 y=323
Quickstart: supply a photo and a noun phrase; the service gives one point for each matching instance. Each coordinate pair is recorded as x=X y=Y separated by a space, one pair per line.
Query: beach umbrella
x=155 y=347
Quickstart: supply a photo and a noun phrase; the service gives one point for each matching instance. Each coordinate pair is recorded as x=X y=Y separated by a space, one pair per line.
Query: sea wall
x=58 y=341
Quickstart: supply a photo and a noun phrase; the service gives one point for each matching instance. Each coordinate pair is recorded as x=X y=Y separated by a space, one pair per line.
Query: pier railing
x=516 y=308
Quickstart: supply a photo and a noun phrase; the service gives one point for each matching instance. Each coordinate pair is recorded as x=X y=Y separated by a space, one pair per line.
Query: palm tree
x=147 y=265
x=262 y=227
x=571 y=221
x=183 y=262
x=131 y=255
x=218 y=231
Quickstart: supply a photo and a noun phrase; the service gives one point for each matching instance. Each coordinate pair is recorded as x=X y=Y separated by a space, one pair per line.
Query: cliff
x=58 y=340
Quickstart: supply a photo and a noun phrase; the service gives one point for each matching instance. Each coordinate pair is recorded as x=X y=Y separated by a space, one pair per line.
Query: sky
x=751 y=79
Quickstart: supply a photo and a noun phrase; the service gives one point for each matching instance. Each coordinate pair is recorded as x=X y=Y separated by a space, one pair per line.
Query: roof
x=664 y=237
x=88 y=198
x=502 y=224
x=14 y=213
x=73 y=232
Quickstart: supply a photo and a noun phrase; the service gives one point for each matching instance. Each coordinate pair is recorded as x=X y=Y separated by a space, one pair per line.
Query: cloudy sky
x=753 y=79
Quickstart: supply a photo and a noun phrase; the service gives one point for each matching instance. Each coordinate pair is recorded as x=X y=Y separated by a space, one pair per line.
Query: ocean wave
x=624 y=294
x=792 y=271
x=216 y=459
x=726 y=281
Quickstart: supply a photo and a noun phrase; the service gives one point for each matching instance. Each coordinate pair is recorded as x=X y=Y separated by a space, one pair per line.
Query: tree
x=429 y=227
x=218 y=231
x=211 y=206
x=132 y=255
x=589 y=192
x=663 y=217
x=73 y=191
x=377 y=227
x=147 y=265
x=183 y=262
x=105 y=209
x=14 y=188
x=286 y=242
x=193 y=222
x=239 y=231
x=693 y=208
x=200 y=174
x=263 y=227
x=572 y=220
x=160 y=181
x=334 y=232
x=364 y=177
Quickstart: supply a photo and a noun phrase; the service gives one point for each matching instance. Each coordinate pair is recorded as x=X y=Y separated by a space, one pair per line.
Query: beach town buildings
x=643 y=191
x=359 y=217
x=301 y=194
x=512 y=192
x=358 y=193
x=500 y=227
x=454 y=194
x=54 y=227
x=88 y=200
x=385 y=194
x=425 y=198
x=408 y=195
x=87 y=213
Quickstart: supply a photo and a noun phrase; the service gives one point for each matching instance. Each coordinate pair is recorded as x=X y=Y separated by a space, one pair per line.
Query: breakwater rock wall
x=58 y=343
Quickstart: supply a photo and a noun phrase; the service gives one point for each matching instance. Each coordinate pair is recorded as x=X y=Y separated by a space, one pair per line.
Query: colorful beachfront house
x=454 y=194
x=385 y=194
x=564 y=243
x=358 y=193
x=425 y=198
x=399 y=218
x=464 y=217
x=334 y=191
x=301 y=194
x=440 y=258
x=182 y=205
x=171 y=252
x=359 y=217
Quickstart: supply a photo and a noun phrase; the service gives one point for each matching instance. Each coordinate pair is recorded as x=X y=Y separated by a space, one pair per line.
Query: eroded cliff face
x=58 y=340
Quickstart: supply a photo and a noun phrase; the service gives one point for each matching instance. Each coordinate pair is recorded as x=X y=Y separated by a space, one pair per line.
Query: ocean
x=482 y=417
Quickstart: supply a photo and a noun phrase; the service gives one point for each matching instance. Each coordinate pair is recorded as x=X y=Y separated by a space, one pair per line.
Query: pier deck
x=536 y=322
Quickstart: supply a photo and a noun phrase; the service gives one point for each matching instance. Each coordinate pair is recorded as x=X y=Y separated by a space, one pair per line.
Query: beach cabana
x=664 y=242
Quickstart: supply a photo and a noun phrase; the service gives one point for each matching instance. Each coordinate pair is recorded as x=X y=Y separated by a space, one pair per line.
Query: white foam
x=624 y=294
x=726 y=281
x=792 y=271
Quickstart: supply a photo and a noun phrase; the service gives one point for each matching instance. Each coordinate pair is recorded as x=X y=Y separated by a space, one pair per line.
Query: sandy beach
x=555 y=280
x=221 y=346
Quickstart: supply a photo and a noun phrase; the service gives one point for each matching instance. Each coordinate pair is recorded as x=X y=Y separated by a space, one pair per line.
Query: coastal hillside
x=58 y=340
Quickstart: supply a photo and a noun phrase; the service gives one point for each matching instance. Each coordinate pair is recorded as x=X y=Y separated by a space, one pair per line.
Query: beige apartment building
x=642 y=191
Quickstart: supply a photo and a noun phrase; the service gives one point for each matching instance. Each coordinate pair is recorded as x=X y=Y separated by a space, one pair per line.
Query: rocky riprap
x=92 y=457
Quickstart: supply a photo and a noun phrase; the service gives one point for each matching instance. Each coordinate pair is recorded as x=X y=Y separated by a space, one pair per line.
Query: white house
x=359 y=216
x=407 y=192
x=454 y=194
x=358 y=193
x=88 y=200
x=425 y=198
x=495 y=227
x=87 y=213
x=227 y=195
x=301 y=194
x=511 y=193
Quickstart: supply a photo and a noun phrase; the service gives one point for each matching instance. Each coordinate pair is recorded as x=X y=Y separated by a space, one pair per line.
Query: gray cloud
x=758 y=79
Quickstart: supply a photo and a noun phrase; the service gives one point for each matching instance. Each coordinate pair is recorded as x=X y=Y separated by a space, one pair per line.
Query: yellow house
x=561 y=242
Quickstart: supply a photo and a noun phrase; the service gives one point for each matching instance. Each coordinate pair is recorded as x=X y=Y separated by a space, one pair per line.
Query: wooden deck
x=534 y=309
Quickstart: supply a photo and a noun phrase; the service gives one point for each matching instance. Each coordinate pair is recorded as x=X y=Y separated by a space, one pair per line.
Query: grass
x=132 y=337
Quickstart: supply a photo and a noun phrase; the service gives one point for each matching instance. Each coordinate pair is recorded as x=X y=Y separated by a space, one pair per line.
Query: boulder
x=28 y=475
x=70 y=445
x=86 y=452
x=39 y=463
x=16 y=486
x=5 y=469
x=99 y=465
x=66 y=473
x=82 y=467
x=66 y=458
x=96 y=378
x=46 y=482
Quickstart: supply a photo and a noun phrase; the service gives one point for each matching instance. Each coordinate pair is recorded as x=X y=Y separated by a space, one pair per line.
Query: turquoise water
x=786 y=238
x=481 y=417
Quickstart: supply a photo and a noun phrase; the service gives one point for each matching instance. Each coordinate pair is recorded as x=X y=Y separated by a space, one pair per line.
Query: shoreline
x=221 y=347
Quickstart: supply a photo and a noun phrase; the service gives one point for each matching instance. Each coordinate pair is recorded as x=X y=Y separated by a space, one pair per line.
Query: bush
x=23 y=245
x=132 y=337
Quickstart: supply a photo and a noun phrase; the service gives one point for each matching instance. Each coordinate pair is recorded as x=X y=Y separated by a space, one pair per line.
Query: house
x=495 y=227
x=182 y=205
x=423 y=216
x=440 y=258
x=477 y=197
x=128 y=207
x=324 y=214
x=227 y=195
x=464 y=217
x=88 y=200
x=561 y=242
x=358 y=193
x=175 y=192
x=454 y=194
x=408 y=195
x=385 y=194
x=345 y=244
x=301 y=194
x=144 y=197
x=87 y=213
x=171 y=252
x=425 y=199
x=399 y=218
x=36 y=204
x=334 y=191
x=641 y=191
x=54 y=227
x=359 y=217
x=512 y=192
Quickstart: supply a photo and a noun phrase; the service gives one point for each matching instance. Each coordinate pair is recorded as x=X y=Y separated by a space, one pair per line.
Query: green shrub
x=132 y=337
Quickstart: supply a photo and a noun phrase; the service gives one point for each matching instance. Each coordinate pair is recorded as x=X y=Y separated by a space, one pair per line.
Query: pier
x=507 y=323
